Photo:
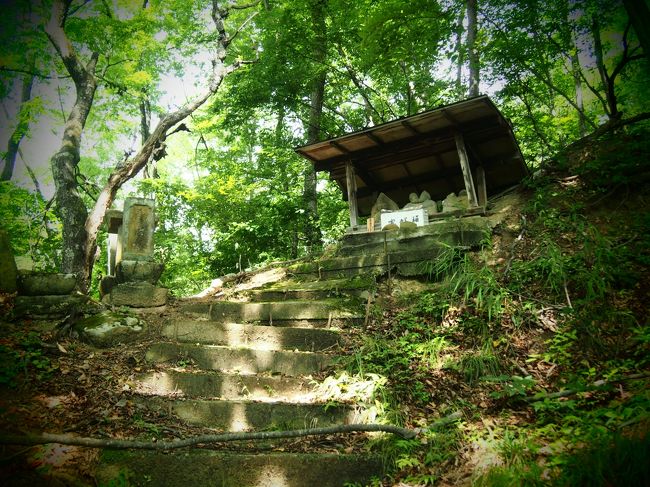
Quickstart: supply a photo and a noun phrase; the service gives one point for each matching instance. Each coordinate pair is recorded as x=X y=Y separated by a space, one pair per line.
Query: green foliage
x=609 y=460
x=421 y=460
x=31 y=225
x=474 y=366
x=21 y=357
x=511 y=386
x=619 y=161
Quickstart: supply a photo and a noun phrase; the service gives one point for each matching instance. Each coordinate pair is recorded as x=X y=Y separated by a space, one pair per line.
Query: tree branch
x=243 y=6
x=61 y=43
x=72 y=11
x=32 y=73
x=241 y=27
x=594 y=386
x=67 y=439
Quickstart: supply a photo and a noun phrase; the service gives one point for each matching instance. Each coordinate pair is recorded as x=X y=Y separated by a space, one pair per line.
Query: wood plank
x=467 y=172
x=482 y=187
x=351 y=183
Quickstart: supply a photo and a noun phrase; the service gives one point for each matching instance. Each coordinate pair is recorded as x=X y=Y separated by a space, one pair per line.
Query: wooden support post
x=351 y=183
x=467 y=173
x=482 y=187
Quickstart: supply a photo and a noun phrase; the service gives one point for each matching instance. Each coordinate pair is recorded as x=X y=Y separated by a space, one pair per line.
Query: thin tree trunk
x=576 y=70
x=80 y=229
x=608 y=83
x=639 y=14
x=312 y=231
x=129 y=169
x=20 y=131
x=472 y=30
x=577 y=83
x=460 y=52
x=151 y=169
x=69 y=204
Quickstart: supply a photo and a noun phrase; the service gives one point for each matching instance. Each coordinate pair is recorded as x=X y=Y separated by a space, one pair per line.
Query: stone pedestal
x=138 y=295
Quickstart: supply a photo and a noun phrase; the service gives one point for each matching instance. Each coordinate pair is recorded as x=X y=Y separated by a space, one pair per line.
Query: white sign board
x=419 y=216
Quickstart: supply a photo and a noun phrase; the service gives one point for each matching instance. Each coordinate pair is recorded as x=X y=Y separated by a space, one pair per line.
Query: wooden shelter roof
x=417 y=153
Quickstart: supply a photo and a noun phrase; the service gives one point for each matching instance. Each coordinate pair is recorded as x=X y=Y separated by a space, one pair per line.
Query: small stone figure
x=427 y=203
x=455 y=203
x=383 y=203
x=414 y=202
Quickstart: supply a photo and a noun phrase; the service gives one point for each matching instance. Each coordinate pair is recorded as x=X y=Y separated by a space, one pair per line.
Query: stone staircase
x=251 y=367
x=252 y=357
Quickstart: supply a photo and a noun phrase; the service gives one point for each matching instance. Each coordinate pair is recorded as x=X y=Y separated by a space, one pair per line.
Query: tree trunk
x=472 y=30
x=639 y=13
x=130 y=168
x=608 y=83
x=69 y=205
x=151 y=169
x=576 y=71
x=19 y=132
x=80 y=229
x=460 y=51
x=312 y=231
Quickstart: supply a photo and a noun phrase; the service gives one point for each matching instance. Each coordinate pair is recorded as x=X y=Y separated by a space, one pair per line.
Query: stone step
x=260 y=295
x=271 y=312
x=241 y=360
x=312 y=290
x=215 y=385
x=406 y=263
x=246 y=415
x=251 y=336
x=225 y=469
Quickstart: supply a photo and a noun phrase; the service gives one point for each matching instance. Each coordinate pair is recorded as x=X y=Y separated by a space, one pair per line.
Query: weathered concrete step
x=312 y=290
x=251 y=415
x=210 y=468
x=260 y=295
x=408 y=263
x=216 y=385
x=271 y=312
x=251 y=336
x=241 y=360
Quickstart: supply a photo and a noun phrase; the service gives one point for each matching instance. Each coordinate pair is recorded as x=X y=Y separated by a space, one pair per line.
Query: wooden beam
x=351 y=183
x=467 y=171
x=411 y=181
x=482 y=187
x=487 y=124
x=365 y=176
x=411 y=128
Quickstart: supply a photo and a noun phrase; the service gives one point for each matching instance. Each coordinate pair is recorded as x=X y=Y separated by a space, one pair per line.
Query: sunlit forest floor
x=540 y=340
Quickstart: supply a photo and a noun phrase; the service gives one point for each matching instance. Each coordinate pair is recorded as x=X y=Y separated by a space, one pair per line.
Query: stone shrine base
x=136 y=295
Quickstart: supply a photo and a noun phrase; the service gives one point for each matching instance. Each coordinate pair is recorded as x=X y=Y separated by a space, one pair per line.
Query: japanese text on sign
x=419 y=216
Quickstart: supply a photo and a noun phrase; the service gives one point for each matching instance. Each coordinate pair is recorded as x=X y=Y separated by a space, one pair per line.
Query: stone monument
x=132 y=270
